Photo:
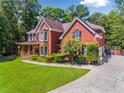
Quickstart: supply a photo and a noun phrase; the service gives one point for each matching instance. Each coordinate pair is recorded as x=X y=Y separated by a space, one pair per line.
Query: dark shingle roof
x=65 y=25
x=94 y=26
x=54 y=24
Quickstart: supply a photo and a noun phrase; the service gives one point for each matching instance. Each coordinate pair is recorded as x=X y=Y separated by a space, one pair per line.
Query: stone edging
x=60 y=65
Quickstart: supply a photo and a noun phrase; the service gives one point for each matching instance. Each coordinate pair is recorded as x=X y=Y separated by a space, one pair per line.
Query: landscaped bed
x=19 y=77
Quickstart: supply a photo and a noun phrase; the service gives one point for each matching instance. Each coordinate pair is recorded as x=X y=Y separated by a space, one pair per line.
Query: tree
x=120 y=3
x=113 y=24
x=120 y=6
x=65 y=15
x=9 y=25
x=17 y=17
x=28 y=13
x=98 y=18
x=114 y=35
x=77 y=11
x=3 y=32
x=72 y=48
x=54 y=13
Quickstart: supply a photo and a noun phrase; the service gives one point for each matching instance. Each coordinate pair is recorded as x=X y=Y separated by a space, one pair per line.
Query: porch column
x=28 y=49
x=33 y=49
x=39 y=49
x=22 y=51
x=19 y=49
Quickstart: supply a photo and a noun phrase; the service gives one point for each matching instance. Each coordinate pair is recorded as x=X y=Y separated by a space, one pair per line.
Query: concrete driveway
x=108 y=78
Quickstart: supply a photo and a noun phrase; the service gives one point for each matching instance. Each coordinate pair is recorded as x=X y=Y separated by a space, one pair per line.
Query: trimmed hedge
x=34 y=57
x=59 y=58
x=79 y=59
x=40 y=58
x=49 y=59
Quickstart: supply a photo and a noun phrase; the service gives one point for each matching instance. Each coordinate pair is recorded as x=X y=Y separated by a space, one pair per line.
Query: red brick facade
x=86 y=36
x=54 y=41
x=58 y=33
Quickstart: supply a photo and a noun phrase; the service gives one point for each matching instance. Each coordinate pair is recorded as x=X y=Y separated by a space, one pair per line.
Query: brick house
x=49 y=36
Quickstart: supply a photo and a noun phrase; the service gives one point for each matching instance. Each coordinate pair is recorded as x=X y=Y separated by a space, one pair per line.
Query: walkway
x=61 y=65
x=108 y=78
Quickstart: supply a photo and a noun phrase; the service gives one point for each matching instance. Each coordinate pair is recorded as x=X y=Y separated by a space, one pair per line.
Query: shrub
x=79 y=59
x=40 y=59
x=58 y=57
x=49 y=59
x=92 y=53
x=72 y=48
x=34 y=57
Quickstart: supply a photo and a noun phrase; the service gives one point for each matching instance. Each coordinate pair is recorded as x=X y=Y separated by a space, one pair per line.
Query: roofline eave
x=91 y=30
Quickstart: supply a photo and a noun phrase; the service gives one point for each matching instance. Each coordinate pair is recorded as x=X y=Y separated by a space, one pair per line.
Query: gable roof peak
x=83 y=23
x=52 y=24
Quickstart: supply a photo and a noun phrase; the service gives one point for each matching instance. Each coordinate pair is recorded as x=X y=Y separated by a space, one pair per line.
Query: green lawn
x=19 y=77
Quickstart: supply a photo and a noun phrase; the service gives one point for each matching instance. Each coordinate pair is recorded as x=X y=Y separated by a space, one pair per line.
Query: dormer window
x=33 y=37
x=30 y=37
x=77 y=34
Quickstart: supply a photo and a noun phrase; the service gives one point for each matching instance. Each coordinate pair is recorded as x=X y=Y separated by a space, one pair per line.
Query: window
x=41 y=50
x=33 y=38
x=45 y=50
x=45 y=35
x=37 y=37
x=41 y=36
x=77 y=34
x=30 y=37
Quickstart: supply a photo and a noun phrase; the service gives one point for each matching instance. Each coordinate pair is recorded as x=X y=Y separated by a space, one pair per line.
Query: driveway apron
x=107 y=78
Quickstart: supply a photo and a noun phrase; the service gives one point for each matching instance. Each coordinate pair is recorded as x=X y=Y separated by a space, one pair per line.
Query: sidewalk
x=61 y=65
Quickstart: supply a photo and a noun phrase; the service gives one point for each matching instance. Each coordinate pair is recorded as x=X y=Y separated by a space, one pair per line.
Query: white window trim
x=44 y=50
x=32 y=37
x=43 y=36
x=43 y=47
x=28 y=37
x=47 y=36
x=75 y=35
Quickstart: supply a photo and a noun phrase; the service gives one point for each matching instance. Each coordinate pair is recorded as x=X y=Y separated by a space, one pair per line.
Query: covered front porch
x=28 y=48
x=32 y=48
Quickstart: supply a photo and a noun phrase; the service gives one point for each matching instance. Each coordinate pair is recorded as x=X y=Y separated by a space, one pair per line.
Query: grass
x=19 y=77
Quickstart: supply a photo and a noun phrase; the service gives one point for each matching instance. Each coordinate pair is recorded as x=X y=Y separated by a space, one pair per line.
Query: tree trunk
x=72 y=60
